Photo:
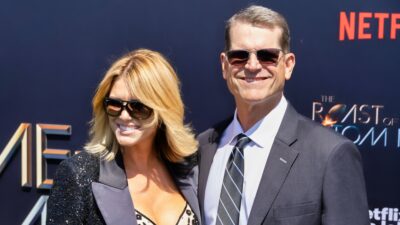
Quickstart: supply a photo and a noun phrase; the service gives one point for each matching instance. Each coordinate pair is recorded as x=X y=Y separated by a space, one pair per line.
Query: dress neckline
x=153 y=223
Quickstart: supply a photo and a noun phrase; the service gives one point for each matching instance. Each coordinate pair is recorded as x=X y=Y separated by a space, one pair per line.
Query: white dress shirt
x=262 y=135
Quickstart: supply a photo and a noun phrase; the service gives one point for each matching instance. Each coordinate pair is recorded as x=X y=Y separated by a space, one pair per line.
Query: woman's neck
x=140 y=159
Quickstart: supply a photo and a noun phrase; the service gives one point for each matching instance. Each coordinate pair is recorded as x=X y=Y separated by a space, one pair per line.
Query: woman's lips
x=127 y=128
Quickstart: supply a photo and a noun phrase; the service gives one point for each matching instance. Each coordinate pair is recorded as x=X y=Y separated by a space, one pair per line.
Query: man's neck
x=249 y=114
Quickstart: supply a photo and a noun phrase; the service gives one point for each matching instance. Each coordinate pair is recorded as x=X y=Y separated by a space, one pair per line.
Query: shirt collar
x=267 y=127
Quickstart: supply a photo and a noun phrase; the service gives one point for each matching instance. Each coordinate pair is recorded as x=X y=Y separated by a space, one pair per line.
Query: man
x=287 y=169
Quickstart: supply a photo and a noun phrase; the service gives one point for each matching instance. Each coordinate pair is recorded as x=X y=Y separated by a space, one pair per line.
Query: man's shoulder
x=204 y=136
x=215 y=131
x=316 y=129
x=314 y=136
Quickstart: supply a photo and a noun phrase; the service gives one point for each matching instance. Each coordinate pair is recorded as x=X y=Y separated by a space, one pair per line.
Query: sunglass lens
x=268 y=56
x=113 y=107
x=138 y=110
x=237 y=57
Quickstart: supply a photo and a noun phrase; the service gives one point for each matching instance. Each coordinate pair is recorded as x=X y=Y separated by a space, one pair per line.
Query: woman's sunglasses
x=135 y=108
x=267 y=56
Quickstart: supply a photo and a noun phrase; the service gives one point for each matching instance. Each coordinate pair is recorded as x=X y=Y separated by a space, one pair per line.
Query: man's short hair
x=259 y=15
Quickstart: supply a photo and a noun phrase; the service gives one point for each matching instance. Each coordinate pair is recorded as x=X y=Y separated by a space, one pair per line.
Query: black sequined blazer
x=88 y=190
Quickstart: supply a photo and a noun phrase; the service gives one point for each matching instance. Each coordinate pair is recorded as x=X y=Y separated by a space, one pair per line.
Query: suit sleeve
x=344 y=193
x=66 y=202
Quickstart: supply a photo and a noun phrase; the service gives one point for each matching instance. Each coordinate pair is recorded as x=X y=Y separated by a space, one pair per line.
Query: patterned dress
x=187 y=217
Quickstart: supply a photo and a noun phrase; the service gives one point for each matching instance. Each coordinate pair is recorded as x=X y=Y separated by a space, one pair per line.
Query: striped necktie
x=231 y=191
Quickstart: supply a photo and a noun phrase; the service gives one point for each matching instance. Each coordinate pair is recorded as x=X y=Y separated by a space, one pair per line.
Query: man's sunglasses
x=135 y=108
x=267 y=56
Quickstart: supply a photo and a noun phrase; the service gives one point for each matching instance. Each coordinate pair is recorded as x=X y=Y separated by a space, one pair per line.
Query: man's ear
x=290 y=61
x=224 y=63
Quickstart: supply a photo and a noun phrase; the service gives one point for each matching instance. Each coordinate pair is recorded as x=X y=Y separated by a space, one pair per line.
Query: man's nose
x=253 y=63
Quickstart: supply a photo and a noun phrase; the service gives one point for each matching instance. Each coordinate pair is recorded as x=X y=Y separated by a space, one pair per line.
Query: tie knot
x=242 y=140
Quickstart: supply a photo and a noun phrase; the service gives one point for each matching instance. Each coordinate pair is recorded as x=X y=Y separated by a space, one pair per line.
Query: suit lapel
x=279 y=163
x=275 y=172
x=112 y=194
x=207 y=155
x=208 y=143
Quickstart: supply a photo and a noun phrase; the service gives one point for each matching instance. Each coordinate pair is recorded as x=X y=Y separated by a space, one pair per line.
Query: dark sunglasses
x=135 y=108
x=267 y=56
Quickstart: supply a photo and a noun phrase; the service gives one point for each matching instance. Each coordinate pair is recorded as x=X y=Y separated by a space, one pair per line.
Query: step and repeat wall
x=54 y=53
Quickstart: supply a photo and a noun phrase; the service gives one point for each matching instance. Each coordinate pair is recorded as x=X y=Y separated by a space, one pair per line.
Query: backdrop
x=54 y=53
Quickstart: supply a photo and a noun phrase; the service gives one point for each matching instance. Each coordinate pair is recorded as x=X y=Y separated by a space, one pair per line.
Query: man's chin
x=258 y=99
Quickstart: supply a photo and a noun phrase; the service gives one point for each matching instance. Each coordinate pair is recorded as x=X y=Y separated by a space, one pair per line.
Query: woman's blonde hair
x=152 y=80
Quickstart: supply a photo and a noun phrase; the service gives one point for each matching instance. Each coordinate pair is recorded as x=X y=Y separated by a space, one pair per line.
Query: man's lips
x=252 y=79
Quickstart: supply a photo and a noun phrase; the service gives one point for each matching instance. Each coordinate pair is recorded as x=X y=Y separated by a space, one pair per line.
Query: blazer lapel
x=207 y=155
x=112 y=194
x=187 y=186
x=208 y=143
x=279 y=163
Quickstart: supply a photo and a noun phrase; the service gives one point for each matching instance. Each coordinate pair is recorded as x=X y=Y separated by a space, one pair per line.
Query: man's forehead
x=252 y=37
x=260 y=25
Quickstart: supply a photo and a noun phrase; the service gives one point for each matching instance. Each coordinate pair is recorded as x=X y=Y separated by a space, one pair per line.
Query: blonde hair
x=154 y=82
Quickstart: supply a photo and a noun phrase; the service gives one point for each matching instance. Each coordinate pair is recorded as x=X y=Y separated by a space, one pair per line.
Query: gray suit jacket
x=312 y=176
x=88 y=190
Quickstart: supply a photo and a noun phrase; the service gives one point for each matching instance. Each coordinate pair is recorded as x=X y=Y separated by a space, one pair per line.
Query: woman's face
x=129 y=132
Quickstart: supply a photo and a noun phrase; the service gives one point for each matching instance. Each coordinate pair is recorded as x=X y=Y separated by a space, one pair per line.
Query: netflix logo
x=368 y=25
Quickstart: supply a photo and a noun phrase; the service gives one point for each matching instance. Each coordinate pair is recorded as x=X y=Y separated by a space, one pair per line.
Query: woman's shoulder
x=70 y=198
x=186 y=171
x=83 y=164
x=82 y=158
x=183 y=168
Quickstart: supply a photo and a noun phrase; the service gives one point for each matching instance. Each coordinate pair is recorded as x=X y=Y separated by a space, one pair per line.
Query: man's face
x=252 y=82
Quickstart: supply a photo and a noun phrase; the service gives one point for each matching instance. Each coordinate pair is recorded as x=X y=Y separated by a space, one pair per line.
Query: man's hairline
x=254 y=24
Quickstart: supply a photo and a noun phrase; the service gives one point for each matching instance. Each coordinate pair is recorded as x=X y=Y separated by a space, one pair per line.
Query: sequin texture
x=71 y=200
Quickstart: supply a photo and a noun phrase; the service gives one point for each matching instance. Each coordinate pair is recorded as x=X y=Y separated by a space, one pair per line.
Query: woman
x=138 y=165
